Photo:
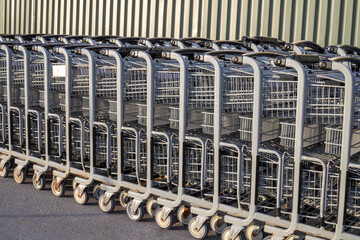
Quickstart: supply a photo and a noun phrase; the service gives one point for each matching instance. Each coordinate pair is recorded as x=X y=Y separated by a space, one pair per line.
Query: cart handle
x=315 y=47
x=353 y=60
x=28 y=46
x=47 y=45
x=156 y=40
x=303 y=58
x=347 y=48
x=226 y=52
x=209 y=44
x=101 y=37
x=266 y=54
x=125 y=39
x=49 y=36
x=264 y=40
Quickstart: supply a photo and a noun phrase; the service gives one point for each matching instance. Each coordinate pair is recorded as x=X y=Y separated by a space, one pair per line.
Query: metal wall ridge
x=323 y=21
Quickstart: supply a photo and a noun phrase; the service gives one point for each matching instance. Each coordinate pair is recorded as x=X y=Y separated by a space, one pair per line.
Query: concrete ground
x=26 y=213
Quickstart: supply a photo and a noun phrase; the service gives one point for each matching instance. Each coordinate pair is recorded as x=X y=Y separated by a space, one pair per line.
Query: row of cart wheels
x=183 y=214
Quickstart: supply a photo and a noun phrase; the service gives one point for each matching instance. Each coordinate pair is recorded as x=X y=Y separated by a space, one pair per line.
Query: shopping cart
x=311 y=169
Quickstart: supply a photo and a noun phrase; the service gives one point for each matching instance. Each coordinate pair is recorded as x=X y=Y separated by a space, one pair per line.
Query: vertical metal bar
x=224 y=21
x=204 y=32
x=88 y=17
x=287 y=26
x=95 y=17
x=357 y=25
x=299 y=25
x=348 y=22
x=322 y=22
x=137 y=19
x=334 y=22
x=56 y=17
x=115 y=19
x=123 y=18
x=196 y=22
x=145 y=19
x=178 y=22
x=214 y=19
x=162 y=18
x=50 y=26
x=153 y=19
x=187 y=19
x=276 y=19
x=254 y=23
x=234 y=26
x=265 y=18
x=77 y=17
x=310 y=21
x=130 y=18
x=245 y=17
x=101 y=14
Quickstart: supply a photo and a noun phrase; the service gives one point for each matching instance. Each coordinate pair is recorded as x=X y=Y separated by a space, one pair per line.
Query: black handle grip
x=28 y=36
x=266 y=54
x=306 y=58
x=47 y=45
x=11 y=36
x=315 y=47
x=49 y=36
x=156 y=40
x=73 y=46
x=348 y=49
x=198 y=40
x=76 y=37
x=263 y=40
x=194 y=39
x=101 y=47
x=230 y=42
x=226 y=52
x=28 y=46
x=102 y=37
x=353 y=60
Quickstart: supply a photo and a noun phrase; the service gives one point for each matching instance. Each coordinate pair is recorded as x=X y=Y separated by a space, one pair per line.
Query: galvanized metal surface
x=323 y=21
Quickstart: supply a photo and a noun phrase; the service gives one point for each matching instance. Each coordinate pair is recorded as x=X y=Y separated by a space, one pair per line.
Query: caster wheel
x=217 y=224
x=200 y=233
x=97 y=192
x=184 y=215
x=226 y=235
x=262 y=198
x=123 y=199
x=5 y=171
x=59 y=192
x=138 y=215
x=251 y=233
x=164 y=224
x=151 y=206
x=20 y=175
x=109 y=207
x=74 y=184
x=84 y=198
x=292 y=237
x=40 y=184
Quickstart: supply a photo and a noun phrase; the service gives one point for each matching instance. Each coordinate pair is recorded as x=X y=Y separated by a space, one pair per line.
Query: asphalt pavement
x=26 y=213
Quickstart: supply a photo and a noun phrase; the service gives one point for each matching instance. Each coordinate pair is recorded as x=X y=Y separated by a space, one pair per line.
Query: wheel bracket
x=199 y=221
x=58 y=181
x=107 y=197
x=165 y=211
x=235 y=231
x=81 y=190
x=135 y=205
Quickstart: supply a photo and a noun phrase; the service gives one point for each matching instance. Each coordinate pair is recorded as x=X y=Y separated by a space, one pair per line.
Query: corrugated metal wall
x=322 y=21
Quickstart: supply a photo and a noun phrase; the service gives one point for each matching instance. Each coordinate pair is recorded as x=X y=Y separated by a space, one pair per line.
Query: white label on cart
x=59 y=71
